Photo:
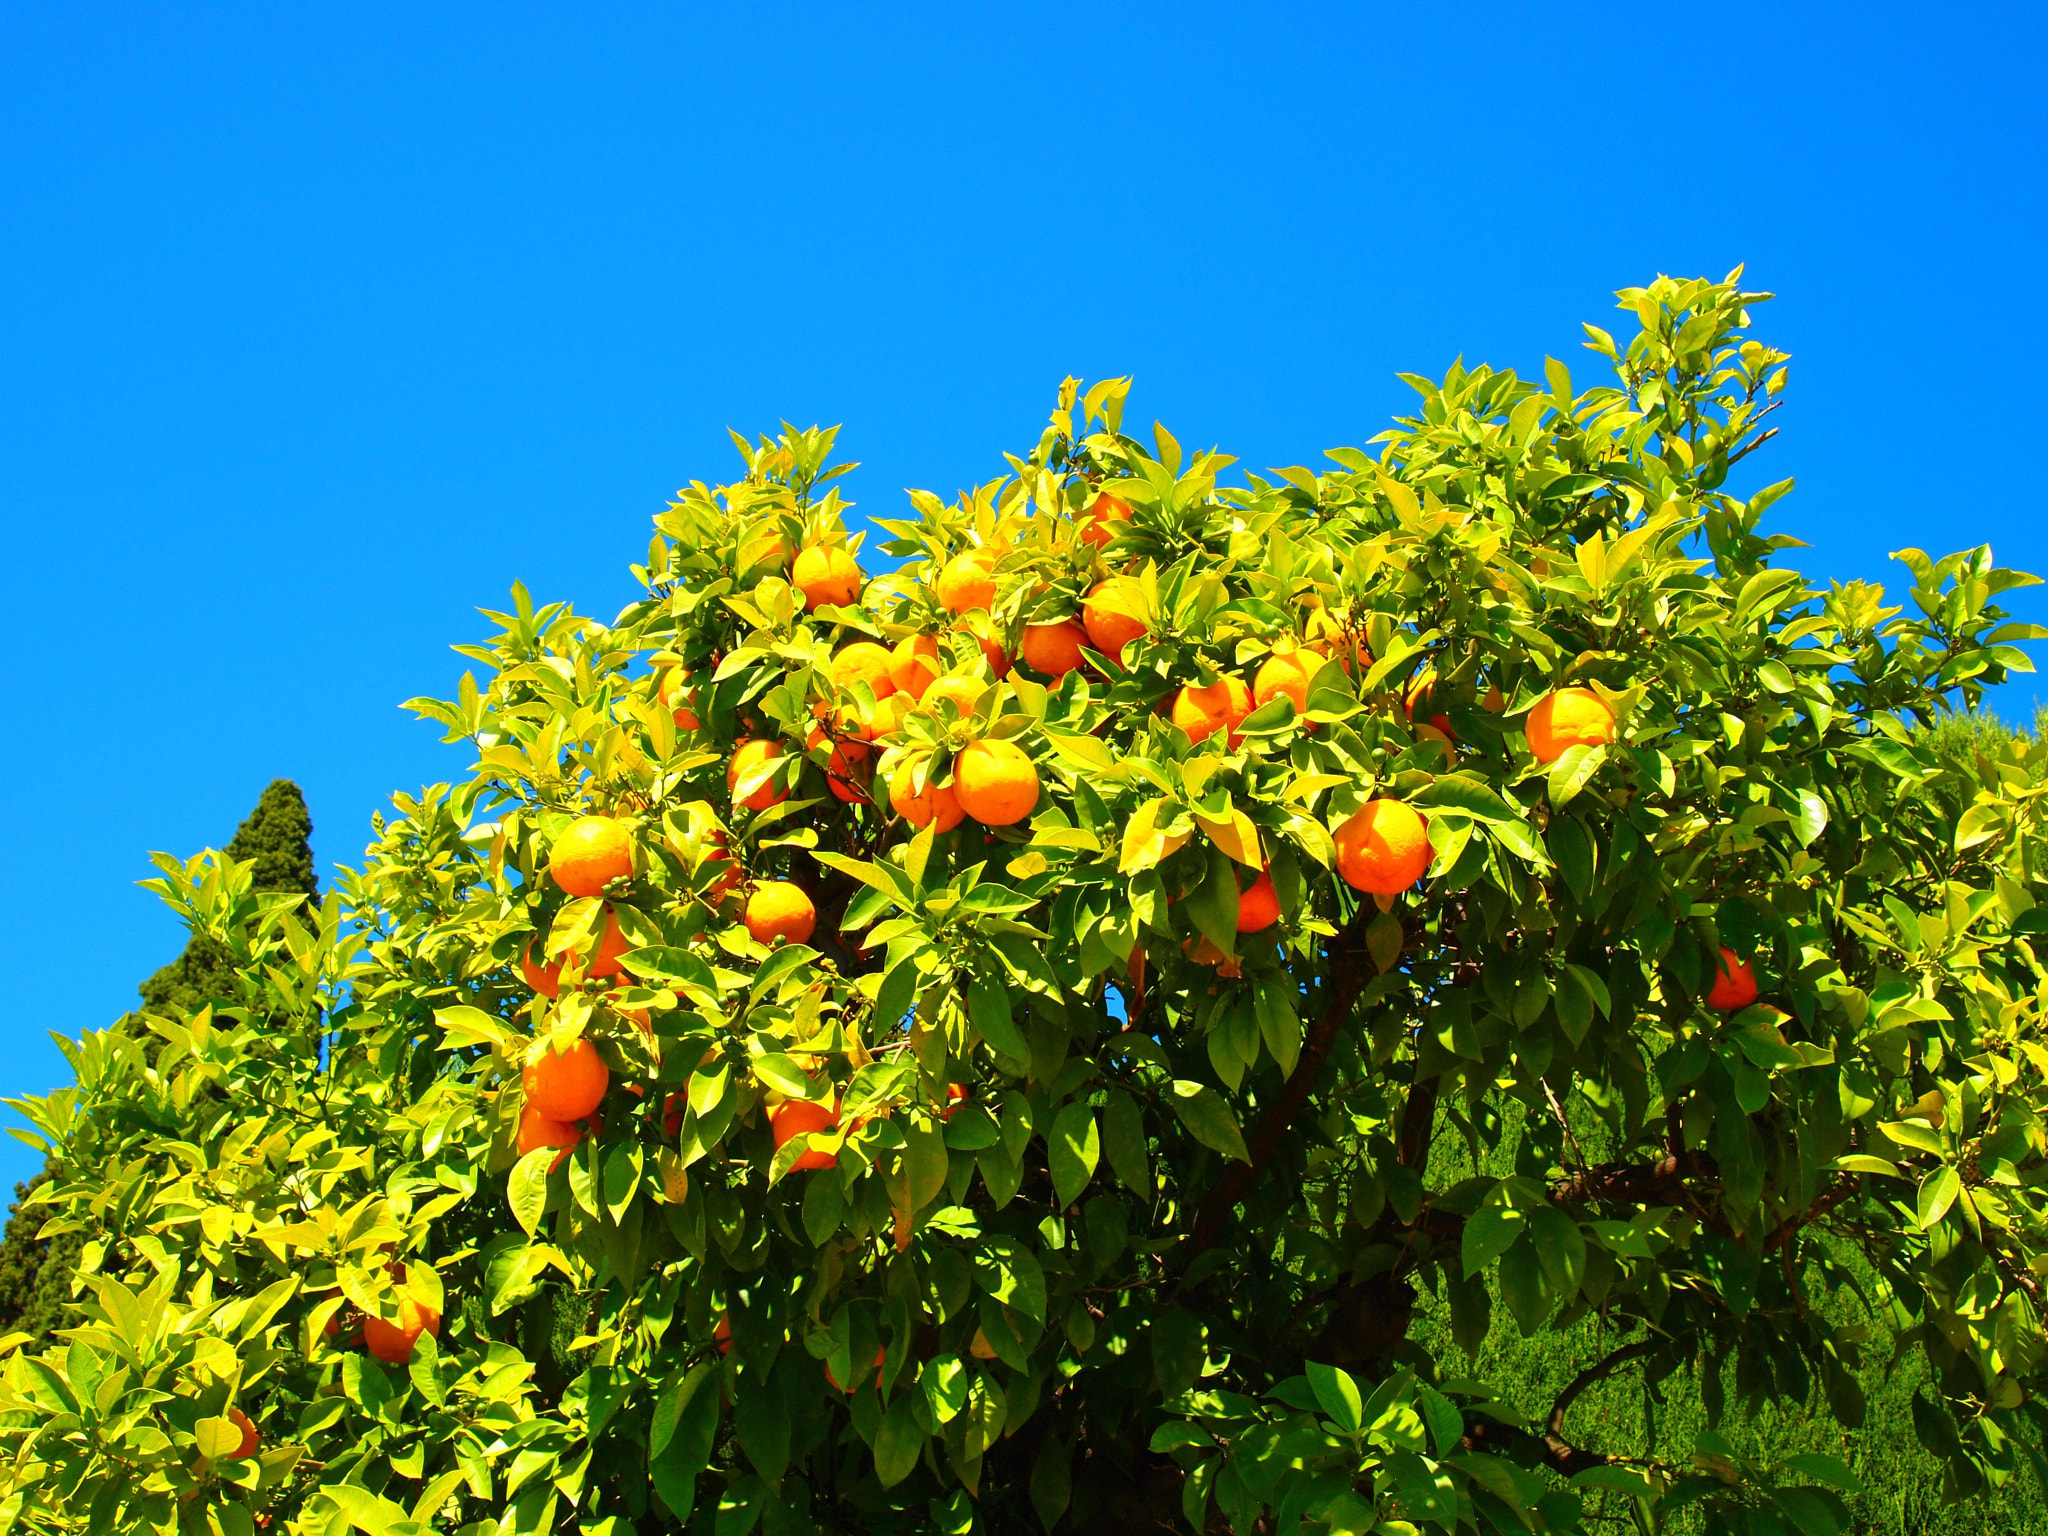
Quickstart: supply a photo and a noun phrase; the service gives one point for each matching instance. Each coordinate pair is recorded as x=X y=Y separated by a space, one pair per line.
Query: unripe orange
x=565 y=1085
x=1053 y=649
x=846 y=769
x=967 y=581
x=1112 y=615
x=996 y=782
x=1201 y=712
x=1286 y=673
x=779 y=909
x=826 y=574
x=796 y=1117
x=1258 y=905
x=937 y=807
x=1734 y=985
x=393 y=1343
x=1098 y=524
x=750 y=755
x=1569 y=717
x=592 y=852
x=1384 y=848
x=915 y=664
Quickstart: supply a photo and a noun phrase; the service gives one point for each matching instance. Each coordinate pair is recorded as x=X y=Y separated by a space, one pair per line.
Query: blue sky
x=321 y=325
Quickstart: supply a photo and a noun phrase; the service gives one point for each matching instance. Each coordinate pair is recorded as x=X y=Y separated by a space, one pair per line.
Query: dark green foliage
x=276 y=836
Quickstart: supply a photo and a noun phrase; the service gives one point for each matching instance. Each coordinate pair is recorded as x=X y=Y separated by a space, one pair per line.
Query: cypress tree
x=277 y=836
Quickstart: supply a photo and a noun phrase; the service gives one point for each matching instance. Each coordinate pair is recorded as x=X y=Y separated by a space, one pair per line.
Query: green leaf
x=988 y=1007
x=527 y=1188
x=899 y=1442
x=1337 y=1394
x=1208 y=1119
x=1123 y=1140
x=1074 y=1149
x=1490 y=1232
x=1919 y=1137
x=1456 y=792
x=1572 y=772
x=1825 y=1469
x=692 y=1426
x=1561 y=1248
x=782 y=1074
x=1938 y=1192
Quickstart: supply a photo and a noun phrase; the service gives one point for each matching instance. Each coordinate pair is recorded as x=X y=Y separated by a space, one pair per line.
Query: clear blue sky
x=320 y=325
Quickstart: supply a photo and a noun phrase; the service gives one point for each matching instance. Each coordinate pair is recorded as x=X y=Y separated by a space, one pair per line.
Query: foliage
x=35 y=1274
x=1160 y=1266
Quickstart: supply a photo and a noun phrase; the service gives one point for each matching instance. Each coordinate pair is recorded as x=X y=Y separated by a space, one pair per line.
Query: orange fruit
x=1258 y=905
x=717 y=858
x=393 y=1342
x=956 y=1095
x=539 y=1130
x=1201 y=712
x=565 y=1085
x=1421 y=702
x=249 y=1436
x=979 y=1346
x=1286 y=673
x=723 y=1334
x=1493 y=702
x=992 y=651
x=779 y=909
x=915 y=663
x=1097 y=524
x=669 y=689
x=1734 y=985
x=886 y=718
x=796 y=1117
x=995 y=782
x=1325 y=636
x=1111 y=615
x=967 y=581
x=544 y=979
x=965 y=692
x=1569 y=717
x=750 y=755
x=1383 y=849
x=864 y=662
x=826 y=574
x=592 y=852
x=1053 y=649
x=881 y=1355
x=938 y=807
x=846 y=769
x=1441 y=737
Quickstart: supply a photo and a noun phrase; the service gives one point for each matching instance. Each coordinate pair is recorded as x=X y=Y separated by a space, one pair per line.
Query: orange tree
x=1006 y=1042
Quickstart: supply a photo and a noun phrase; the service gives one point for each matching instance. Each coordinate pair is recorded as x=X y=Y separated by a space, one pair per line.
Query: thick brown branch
x=1786 y=1230
x=1347 y=977
x=1592 y=1375
x=1551 y=1447
x=1663 y=1182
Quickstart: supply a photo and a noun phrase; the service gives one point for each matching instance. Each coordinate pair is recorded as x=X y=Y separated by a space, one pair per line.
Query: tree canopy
x=1007 y=1043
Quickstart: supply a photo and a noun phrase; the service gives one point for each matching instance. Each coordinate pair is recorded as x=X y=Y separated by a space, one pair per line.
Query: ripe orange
x=846 y=770
x=249 y=1436
x=544 y=979
x=1113 y=615
x=539 y=1130
x=826 y=574
x=965 y=692
x=669 y=689
x=1567 y=718
x=886 y=718
x=915 y=663
x=566 y=1085
x=1325 y=635
x=992 y=651
x=1288 y=673
x=780 y=910
x=1383 y=849
x=864 y=662
x=967 y=581
x=938 y=807
x=1201 y=712
x=393 y=1342
x=1053 y=649
x=592 y=852
x=723 y=1333
x=1734 y=985
x=1258 y=905
x=750 y=755
x=1097 y=524
x=956 y=1095
x=996 y=782
x=796 y=1117
x=1421 y=702
x=717 y=859
x=1441 y=737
